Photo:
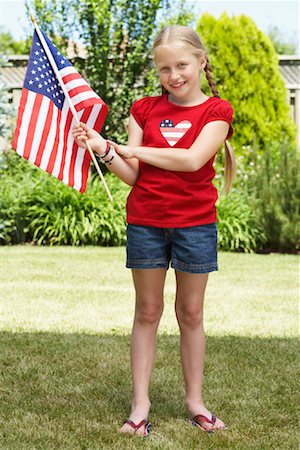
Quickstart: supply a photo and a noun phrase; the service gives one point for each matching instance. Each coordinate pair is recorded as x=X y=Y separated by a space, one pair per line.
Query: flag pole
x=72 y=108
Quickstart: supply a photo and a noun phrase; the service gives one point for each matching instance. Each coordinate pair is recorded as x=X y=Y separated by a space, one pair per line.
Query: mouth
x=178 y=85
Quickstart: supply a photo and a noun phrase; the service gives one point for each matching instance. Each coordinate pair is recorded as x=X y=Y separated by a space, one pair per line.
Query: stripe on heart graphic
x=172 y=133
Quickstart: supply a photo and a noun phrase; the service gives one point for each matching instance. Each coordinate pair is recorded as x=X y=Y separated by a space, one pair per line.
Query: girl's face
x=179 y=71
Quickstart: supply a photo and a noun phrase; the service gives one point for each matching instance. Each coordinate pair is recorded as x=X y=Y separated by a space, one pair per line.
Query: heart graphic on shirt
x=172 y=133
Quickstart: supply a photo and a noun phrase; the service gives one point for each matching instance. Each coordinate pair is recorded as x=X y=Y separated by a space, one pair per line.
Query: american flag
x=172 y=133
x=43 y=133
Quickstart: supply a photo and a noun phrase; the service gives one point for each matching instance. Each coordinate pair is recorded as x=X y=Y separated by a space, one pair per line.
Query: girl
x=171 y=217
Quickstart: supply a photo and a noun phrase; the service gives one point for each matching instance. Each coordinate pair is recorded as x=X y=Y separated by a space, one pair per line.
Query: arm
x=202 y=150
x=126 y=169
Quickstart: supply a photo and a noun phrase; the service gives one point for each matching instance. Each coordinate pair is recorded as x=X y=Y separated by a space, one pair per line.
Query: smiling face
x=179 y=69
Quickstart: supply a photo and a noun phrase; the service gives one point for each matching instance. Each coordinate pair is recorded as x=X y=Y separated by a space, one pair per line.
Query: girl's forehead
x=171 y=51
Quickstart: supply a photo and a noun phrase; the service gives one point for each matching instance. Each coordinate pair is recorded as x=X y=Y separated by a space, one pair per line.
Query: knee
x=190 y=316
x=148 y=313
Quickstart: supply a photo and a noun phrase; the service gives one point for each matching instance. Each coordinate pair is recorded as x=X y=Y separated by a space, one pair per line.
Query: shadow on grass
x=72 y=391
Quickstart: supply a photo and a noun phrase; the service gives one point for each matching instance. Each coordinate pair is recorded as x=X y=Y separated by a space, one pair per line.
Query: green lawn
x=65 y=318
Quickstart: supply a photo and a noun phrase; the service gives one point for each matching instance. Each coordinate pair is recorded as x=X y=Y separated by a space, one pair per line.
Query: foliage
x=9 y=46
x=238 y=228
x=118 y=37
x=38 y=208
x=245 y=68
x=282 y=46
x=273 y=188
x=7 y=113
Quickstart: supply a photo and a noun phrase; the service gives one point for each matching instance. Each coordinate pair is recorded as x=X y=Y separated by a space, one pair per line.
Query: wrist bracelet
x=111 y=148
x=107 y=150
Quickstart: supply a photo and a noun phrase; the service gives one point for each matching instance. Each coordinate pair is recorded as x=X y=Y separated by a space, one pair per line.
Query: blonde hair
x=185 y=36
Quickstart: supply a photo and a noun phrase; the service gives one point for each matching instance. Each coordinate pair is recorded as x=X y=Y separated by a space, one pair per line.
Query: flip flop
x=200 y=420
x=139 y=425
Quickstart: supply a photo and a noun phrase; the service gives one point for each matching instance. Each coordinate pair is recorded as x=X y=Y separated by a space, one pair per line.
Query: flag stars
x=30 y=82
x=36 y=53
x=35 y=62
x=40 y=86
x=33 y=72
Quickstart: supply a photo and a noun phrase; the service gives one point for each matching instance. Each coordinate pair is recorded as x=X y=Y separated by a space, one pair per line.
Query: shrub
x=273 y=187
x=237 y=225
x=38 y=208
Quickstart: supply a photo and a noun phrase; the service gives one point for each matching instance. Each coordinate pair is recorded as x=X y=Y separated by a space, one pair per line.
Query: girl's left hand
x=123 y=150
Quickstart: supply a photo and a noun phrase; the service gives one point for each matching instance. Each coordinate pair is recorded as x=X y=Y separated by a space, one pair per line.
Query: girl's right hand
x=82 y=133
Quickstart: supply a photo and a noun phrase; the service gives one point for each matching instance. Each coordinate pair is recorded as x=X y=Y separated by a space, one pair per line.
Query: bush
x=238 y=229
x=38 y=208
x=273 y=187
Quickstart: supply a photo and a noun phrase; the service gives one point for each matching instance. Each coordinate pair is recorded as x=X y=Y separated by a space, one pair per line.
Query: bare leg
x=189 y=313
x=149 y=287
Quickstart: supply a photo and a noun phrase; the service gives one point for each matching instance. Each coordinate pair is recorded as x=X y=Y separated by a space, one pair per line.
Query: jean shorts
x=192 y=249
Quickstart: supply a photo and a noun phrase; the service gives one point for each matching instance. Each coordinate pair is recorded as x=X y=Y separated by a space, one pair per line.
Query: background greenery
x=64 y=353
x=261 y=213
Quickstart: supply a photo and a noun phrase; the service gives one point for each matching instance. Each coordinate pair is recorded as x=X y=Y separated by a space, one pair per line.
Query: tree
x=117 y=35
x=9 y=46
x=281 y=46
x=245 y=69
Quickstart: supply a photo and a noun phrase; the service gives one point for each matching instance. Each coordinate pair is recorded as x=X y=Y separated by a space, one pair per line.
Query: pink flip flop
x=139 y=425
x=200 y=420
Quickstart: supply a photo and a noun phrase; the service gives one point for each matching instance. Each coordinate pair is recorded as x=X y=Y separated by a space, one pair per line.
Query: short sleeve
x=140 y=110
x=222 y=111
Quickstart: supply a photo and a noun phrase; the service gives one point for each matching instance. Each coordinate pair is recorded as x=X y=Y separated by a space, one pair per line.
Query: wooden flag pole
x=72 y=108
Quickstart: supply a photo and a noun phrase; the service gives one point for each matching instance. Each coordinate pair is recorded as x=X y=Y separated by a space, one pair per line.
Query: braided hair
x=190 y=39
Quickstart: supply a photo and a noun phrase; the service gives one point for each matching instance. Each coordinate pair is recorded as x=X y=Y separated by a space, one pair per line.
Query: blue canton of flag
x=40 y=77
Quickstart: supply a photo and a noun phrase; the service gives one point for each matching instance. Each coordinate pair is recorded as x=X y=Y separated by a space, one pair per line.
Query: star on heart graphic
x=172 y=133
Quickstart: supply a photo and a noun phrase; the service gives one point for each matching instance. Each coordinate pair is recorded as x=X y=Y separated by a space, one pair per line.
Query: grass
x=65 y=322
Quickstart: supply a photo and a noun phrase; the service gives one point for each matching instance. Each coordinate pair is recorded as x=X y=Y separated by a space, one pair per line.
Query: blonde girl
x=171 y=217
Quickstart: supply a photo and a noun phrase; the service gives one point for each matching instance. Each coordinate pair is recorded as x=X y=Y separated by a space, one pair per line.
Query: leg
x=189 y=312
x=149 y=286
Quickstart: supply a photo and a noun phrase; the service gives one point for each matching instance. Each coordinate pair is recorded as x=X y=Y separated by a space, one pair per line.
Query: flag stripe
x=72 y=165
x=25 y=123
x=45 y=134
x=50 y=140
x=32 y=126
x=53 y=154
x=23 y=102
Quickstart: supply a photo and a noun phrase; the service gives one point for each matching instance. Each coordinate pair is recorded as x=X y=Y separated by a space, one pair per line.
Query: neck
x=193 y=101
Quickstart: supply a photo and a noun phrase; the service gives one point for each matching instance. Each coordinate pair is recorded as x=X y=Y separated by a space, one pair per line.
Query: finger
x=114 y=144
x=84 y=126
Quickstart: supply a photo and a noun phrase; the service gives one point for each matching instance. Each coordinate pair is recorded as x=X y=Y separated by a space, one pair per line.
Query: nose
x=174 y=75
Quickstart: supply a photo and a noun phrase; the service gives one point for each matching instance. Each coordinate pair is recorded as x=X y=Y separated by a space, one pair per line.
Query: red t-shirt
x=169 y=199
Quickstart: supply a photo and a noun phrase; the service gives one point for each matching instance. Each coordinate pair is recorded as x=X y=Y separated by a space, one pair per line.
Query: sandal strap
x=200 y=418
x=136 y=426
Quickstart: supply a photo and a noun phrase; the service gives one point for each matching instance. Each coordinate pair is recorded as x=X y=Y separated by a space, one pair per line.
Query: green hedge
x=260 y=214
x=38 y=208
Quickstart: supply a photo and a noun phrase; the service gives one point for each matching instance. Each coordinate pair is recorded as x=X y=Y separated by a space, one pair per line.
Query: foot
x=139 y=412
x=198 y=409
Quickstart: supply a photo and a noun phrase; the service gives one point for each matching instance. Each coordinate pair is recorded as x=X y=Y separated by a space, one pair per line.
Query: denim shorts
x=192 y=249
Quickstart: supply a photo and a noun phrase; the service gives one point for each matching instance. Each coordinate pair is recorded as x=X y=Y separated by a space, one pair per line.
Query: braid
x=209 y=77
